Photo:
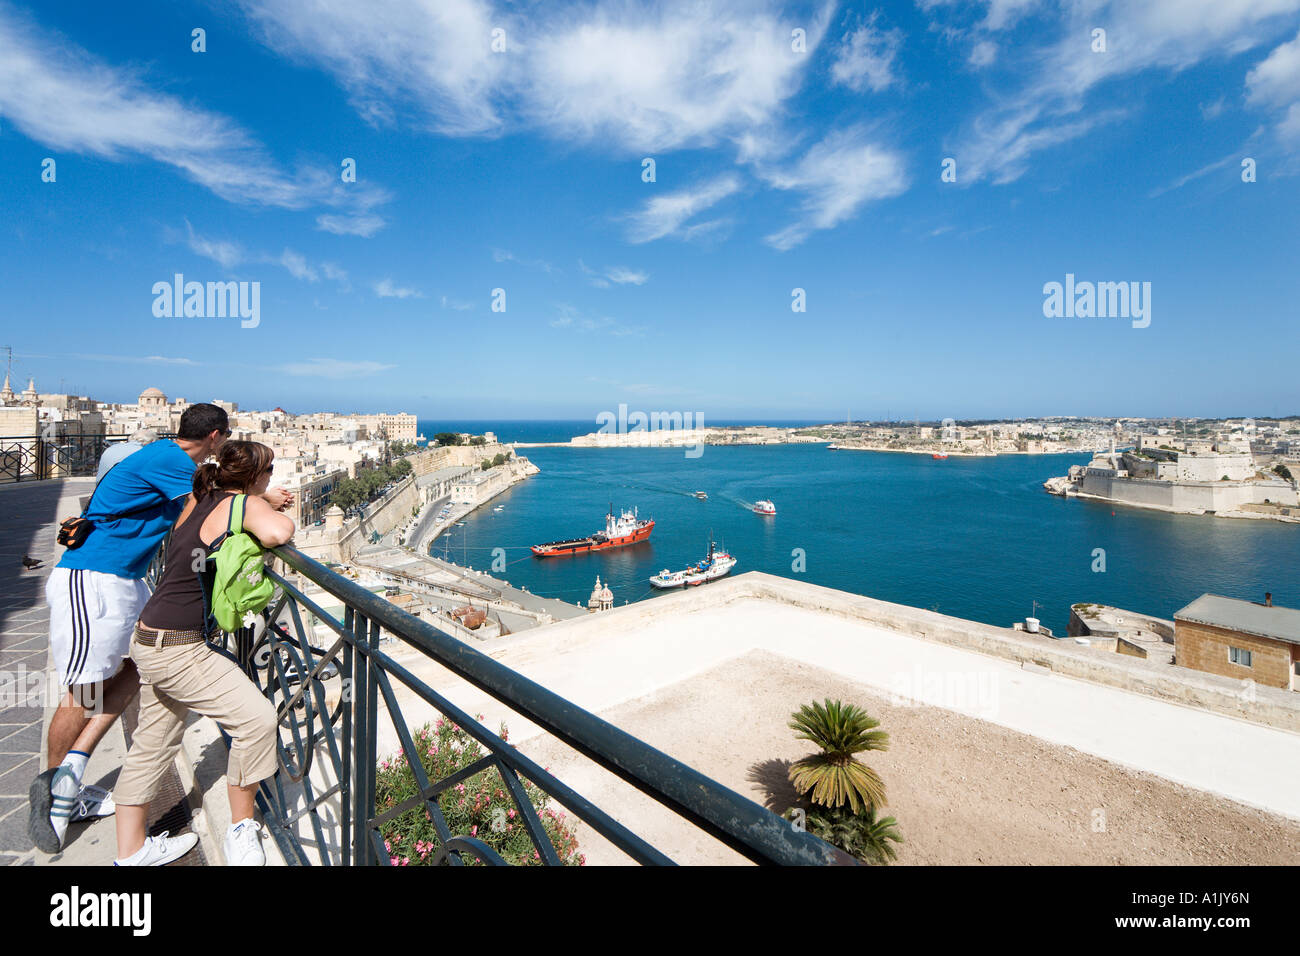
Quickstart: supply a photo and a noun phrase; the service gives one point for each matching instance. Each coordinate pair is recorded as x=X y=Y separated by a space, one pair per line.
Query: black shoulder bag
x=73 y=532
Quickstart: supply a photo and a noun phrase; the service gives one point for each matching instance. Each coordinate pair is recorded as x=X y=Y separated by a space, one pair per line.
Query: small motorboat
x=702 y=496
x=717 y=564
x=764 y=508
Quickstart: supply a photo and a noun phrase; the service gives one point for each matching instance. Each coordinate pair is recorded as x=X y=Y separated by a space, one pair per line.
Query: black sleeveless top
x=180 y=598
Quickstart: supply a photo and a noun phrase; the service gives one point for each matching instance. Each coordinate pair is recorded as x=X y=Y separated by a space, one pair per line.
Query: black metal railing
x=49 y=455
x=321 y=806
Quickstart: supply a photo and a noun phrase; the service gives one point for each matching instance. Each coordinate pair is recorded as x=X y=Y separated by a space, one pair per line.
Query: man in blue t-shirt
x=95 y=594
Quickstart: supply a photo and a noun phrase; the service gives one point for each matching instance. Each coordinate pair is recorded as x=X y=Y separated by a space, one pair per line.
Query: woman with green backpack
x=212 y=566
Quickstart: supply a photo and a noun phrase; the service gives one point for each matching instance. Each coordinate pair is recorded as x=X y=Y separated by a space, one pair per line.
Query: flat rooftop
x=993 y=760
x=1276 y=623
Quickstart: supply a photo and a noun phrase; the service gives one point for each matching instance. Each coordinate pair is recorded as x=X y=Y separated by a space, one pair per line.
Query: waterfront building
x=1241 y=639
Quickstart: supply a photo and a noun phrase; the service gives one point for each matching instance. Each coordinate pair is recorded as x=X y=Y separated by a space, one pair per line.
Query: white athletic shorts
x=92 y=618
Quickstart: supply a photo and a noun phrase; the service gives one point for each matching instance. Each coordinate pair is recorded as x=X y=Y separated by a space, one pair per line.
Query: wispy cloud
x=865 y=58
x=457 y=305
x=226 y=253
x=364 y=224
x=505 y=255
x=387 y=289
x=837 y=177
x=570 y=317
x=625 y=76
x=59 y=95
x=1180 y=182
x=1275 y=83
x=298 y=266
x=1052 y=98
x=333 y=368
x=613 y=275
x=664 y=215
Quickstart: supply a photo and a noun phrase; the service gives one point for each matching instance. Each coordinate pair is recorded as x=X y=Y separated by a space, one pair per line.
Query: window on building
x=1239 y=655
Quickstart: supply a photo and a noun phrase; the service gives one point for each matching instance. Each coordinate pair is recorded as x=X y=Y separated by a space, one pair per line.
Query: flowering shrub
x=479 y=806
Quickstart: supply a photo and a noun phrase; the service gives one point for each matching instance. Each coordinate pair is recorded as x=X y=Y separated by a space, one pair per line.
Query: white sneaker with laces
x=92 y=802
x=160 y=850
x=244 y=844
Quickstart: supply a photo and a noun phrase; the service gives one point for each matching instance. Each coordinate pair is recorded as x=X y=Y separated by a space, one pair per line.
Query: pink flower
x=394 y=861
x=388 y=846
x=439 y=721
x=510 y=814
x=473 y=831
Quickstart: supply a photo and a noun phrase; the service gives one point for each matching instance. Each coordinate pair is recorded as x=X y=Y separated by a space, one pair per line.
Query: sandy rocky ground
x=964 y=791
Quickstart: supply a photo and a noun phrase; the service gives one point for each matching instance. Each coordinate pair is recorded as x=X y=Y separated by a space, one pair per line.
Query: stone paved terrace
x=29 y=517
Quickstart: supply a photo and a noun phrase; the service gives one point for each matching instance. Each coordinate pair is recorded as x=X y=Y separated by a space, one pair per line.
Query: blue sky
x=775 y=168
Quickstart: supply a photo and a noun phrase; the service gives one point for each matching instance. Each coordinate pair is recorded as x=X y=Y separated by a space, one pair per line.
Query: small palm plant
x=835 y=776
x=861 y=834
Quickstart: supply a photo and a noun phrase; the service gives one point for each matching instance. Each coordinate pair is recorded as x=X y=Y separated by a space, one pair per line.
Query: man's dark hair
x=200 y=421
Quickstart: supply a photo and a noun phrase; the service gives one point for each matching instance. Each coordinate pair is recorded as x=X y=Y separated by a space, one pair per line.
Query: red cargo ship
x=619 y=532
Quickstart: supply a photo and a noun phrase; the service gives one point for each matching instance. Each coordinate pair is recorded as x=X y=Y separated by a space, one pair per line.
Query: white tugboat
x=764 y=508
x=718 y=564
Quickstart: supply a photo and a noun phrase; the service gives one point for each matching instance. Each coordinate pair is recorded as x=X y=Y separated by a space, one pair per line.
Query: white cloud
x=632 y=77
x=459 y=305
x=504 y=255
x=665 y=76
x=617 y=275
x=435 y=56
x=983 y=53
x=1213 y=110
x=866 y=57
x=57 y=94
x=1181 y=181
x=1289 y=127
x=1052 y=105
x=664 y=215
x=137 y=359
x=837 y=176
x=572 y=318
x=1001 y=14
x=223 y=252
x=1276 y=80
x=364 y=224
x=386 y=289
x=298 y=266
x=333 y=368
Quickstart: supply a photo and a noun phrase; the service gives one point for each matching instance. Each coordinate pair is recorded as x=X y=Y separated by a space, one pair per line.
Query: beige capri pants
x=193 y=677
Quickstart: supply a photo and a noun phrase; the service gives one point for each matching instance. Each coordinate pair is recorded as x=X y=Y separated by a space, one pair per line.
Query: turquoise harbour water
x=973 y=537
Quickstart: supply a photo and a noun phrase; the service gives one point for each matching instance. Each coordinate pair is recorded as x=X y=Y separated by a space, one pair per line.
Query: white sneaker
x=160 y=850
x=244 y=844
x=92 y=802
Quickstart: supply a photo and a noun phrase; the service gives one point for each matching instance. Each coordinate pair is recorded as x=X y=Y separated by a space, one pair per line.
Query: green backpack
x=241 y=585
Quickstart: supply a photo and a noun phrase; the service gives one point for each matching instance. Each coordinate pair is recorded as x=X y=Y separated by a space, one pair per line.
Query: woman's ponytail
x=206 y=480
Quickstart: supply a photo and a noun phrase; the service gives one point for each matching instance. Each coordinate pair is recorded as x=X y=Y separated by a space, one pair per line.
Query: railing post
x=346 y=781
x=362 y=735
x=370 y=754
